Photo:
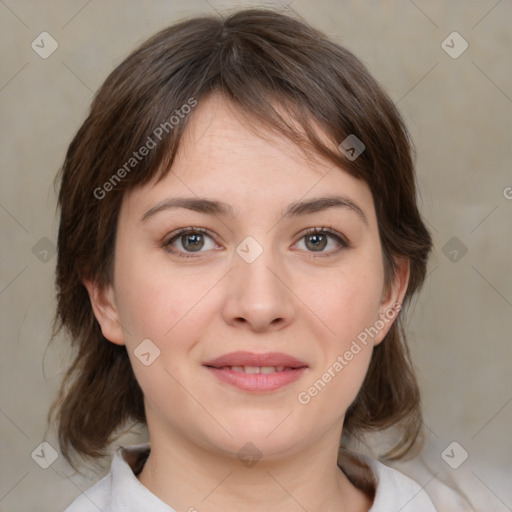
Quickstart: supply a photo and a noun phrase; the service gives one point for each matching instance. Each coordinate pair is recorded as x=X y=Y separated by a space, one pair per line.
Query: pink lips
x=278 y=370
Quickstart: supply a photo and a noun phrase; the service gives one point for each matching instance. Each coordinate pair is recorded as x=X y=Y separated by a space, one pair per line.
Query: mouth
x=256 y=369
x=256 y=372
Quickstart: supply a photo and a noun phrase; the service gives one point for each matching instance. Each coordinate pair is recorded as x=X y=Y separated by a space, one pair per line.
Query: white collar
x=394 y=491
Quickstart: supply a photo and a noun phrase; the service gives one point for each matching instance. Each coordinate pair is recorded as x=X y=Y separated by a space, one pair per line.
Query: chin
x=269 y=439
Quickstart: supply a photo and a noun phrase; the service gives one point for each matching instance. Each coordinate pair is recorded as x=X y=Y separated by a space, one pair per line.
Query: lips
x=256 y=372
x=257 y=369
x=249 y=359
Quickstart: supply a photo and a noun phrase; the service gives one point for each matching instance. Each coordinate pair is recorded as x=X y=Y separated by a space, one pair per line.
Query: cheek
x=346 y=353
x=157 y=303
x=347 y=300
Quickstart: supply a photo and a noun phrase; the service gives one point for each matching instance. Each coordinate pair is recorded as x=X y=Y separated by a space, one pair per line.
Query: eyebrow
x=295 y=209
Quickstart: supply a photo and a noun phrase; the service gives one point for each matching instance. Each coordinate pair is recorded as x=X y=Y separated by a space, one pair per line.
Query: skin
x=294 y=299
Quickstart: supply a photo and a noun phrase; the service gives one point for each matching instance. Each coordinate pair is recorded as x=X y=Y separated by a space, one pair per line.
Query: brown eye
x=316 y=242
x=190 y=241
x=322 y=241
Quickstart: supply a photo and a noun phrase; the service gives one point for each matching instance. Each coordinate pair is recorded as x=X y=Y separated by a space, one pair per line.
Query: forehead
x=227 y=155
x=220 y=129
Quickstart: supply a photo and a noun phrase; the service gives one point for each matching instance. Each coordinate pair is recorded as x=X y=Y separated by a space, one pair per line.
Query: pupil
x=316 y=242
x=193 y=242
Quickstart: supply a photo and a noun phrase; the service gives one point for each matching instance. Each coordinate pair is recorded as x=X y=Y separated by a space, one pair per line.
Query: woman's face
x=248 y=289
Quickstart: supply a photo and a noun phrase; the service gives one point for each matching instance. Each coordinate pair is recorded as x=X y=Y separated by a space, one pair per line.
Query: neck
x=188 y=477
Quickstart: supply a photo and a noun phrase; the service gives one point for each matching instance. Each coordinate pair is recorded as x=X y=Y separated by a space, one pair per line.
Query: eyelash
x=344 y=244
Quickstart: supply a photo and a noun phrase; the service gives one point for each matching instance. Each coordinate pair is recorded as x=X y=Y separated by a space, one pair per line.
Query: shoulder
x=389 y=489
x=120 y=490
x=94 y=499
x=396 y=491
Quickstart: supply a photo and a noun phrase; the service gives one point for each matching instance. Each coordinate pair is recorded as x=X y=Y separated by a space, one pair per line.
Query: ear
x=392 y=298
x=105 y=311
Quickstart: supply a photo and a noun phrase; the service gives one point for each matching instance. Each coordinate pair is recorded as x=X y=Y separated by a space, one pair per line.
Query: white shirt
x=121 y=491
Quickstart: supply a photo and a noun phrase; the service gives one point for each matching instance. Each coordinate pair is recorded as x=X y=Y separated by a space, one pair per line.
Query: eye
x=190 y=240
x=187 y=241
x=319 y=239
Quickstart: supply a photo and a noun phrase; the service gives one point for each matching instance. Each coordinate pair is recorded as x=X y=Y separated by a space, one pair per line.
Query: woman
x=239 y=234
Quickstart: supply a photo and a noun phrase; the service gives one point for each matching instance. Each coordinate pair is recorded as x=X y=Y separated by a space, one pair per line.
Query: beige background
x=460 y=114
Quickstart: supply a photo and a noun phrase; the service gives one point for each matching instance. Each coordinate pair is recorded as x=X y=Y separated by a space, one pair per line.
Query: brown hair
x=259 y=60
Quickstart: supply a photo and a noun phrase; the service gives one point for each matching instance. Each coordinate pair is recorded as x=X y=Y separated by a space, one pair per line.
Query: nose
x=257 y=295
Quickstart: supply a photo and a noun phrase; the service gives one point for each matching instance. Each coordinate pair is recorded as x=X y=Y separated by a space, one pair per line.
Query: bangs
x=275 y=79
